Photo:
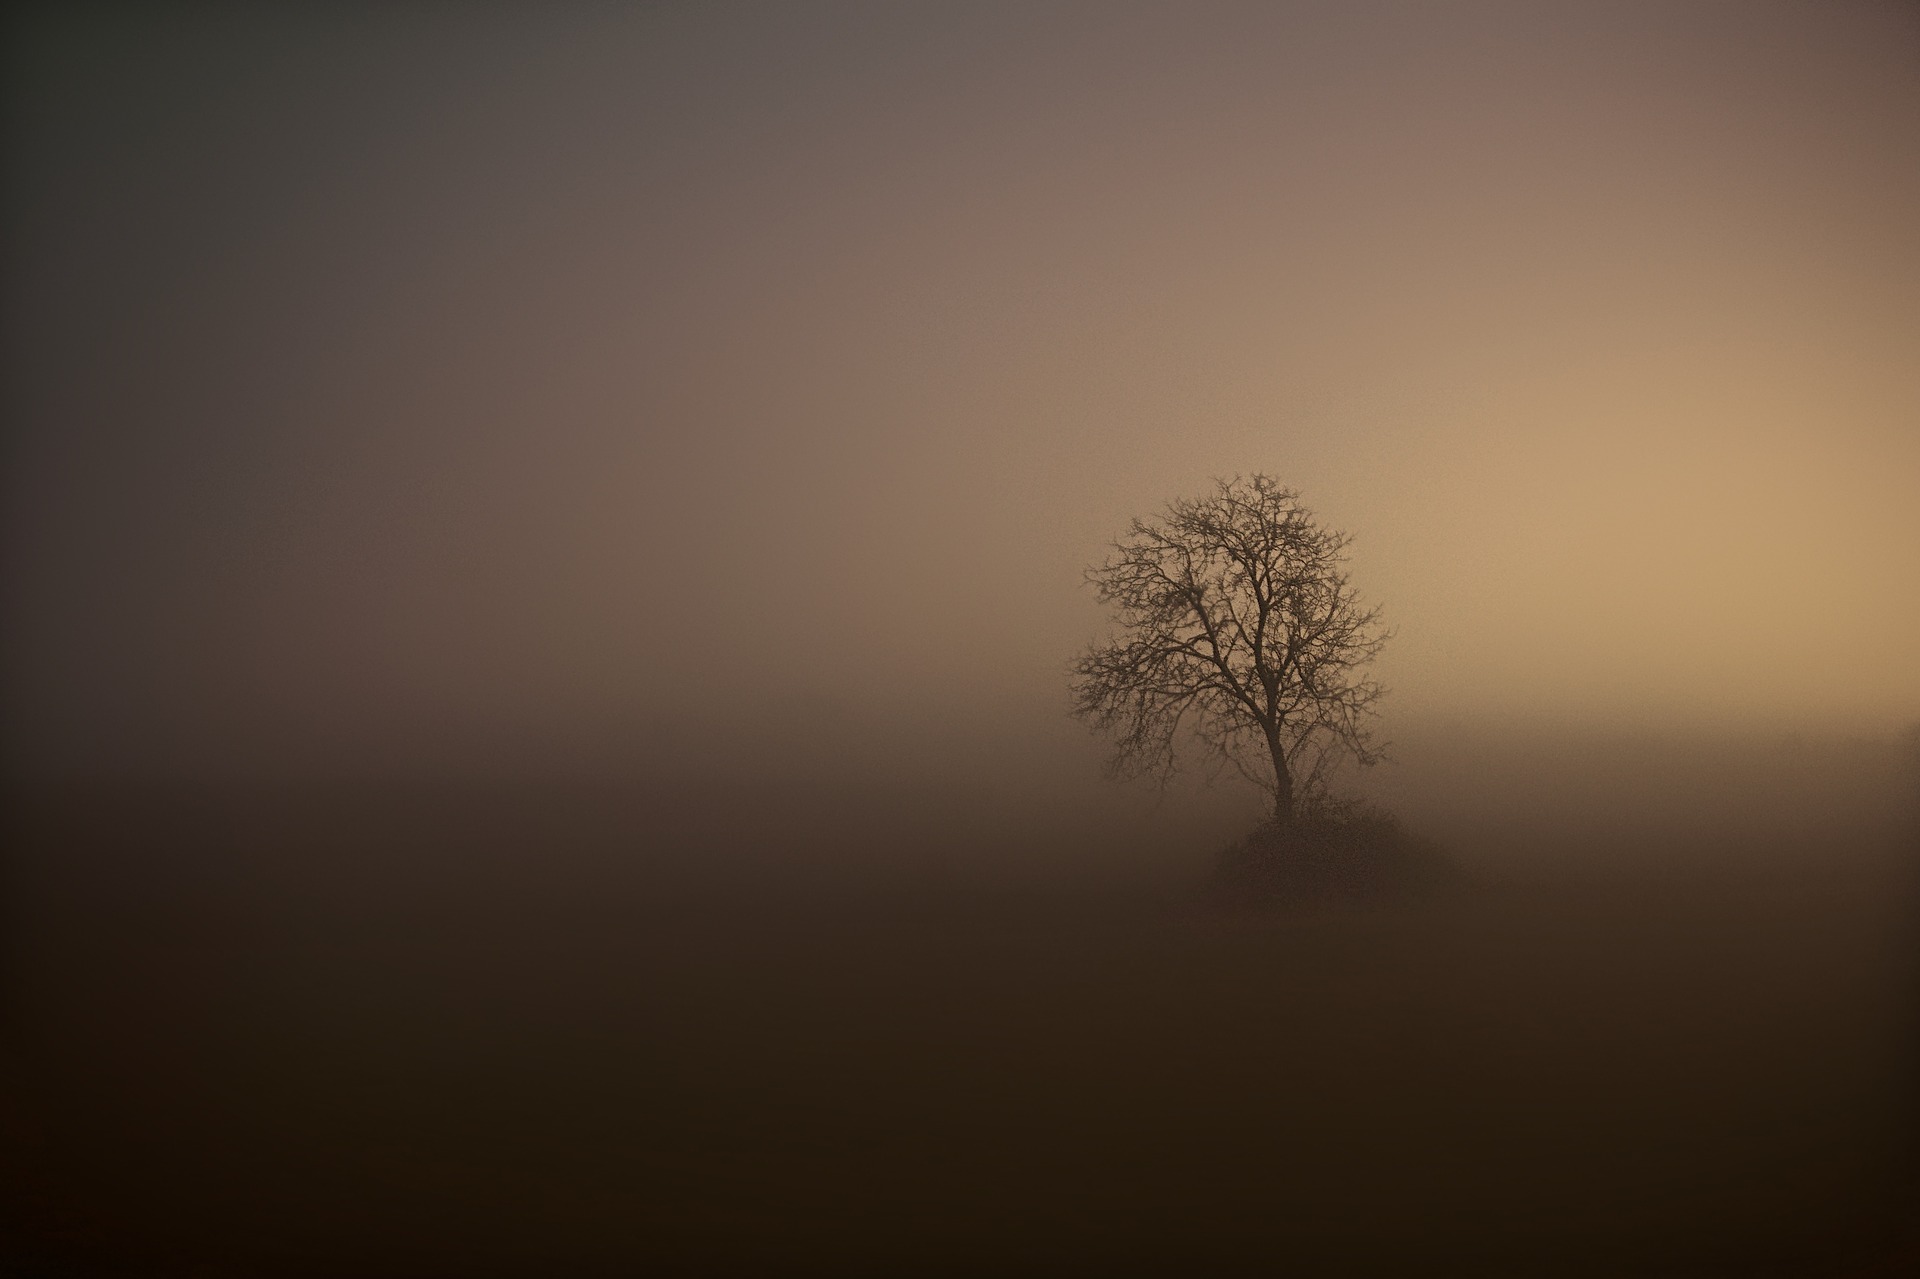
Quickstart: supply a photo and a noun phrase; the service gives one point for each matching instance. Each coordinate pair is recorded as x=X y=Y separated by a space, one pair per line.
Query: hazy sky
x=387 y=380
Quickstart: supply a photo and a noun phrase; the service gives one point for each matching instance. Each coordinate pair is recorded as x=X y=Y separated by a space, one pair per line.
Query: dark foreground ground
x=397 y=1037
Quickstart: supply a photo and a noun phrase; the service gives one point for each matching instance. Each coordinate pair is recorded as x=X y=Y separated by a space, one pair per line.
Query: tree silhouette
x=1237 y=630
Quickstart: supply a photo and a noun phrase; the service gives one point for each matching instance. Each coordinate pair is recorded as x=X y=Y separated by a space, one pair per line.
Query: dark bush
x=1333 y=852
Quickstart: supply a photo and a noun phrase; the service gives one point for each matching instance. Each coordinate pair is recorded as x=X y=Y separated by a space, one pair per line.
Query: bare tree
x=1238 y=630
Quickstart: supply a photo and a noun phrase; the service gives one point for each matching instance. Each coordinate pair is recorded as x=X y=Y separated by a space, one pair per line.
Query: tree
x=1239 y=631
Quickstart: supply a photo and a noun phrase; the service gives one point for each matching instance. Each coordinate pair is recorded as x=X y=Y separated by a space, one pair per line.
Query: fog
x=543 y=548
x=384 y=384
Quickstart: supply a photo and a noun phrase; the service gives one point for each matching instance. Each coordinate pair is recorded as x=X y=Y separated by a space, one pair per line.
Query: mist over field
x=748 y=1021
x=544 y=556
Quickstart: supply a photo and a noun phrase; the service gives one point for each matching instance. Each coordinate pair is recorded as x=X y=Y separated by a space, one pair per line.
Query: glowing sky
x=384 y=381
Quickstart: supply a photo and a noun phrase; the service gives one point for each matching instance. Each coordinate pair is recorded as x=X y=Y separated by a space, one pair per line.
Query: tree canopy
x=1239 y=632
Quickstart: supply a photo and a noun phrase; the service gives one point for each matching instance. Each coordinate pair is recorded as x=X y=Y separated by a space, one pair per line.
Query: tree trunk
x=1282 y=781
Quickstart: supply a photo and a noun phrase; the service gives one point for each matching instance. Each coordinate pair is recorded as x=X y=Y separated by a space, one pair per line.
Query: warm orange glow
x=633 y=367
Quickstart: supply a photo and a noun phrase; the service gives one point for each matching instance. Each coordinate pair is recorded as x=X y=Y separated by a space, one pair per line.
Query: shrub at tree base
x=1330 y=856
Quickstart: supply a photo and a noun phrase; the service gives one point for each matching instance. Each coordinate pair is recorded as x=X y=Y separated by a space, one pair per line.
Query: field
x=410 y=1032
